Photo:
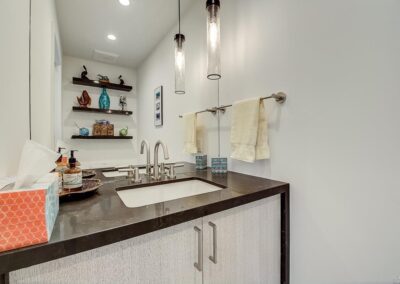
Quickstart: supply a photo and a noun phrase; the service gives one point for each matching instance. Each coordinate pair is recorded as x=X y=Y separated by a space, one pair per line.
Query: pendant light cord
x=179 y=15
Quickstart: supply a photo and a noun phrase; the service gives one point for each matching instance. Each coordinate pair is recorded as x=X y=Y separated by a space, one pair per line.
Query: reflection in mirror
x=110 y=58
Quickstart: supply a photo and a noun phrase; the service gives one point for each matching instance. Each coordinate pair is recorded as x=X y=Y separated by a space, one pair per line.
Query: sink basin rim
x=156 y=183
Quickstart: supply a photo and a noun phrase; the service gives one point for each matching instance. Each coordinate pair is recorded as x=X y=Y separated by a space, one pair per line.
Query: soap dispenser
x=61 y=167
x=72 y=175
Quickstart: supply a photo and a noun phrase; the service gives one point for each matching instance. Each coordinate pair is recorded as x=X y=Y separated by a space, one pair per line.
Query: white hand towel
x=36 y=161
x=249 y=131
x=190 y=146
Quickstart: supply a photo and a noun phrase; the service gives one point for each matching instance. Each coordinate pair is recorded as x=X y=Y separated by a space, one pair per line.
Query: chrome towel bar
x=279 y=97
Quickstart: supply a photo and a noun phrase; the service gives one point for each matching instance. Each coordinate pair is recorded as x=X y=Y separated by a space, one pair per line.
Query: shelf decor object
x=83 y=131
x=213 y=39
x=123 y=131
x=103 y=128
x=84 y=73
x=158 y=106
x=107 y=111
x=104 y=100
x=100 y=137
x=179 y=57
x=95 y=83
x=84 y=100
x=122 y=102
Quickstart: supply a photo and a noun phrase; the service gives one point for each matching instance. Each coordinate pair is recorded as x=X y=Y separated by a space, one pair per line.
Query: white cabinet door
x=164 y=256
x=245 y=242
x=179 y=251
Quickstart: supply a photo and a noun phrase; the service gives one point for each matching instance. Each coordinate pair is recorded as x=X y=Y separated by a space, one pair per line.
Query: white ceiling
x=85 y=24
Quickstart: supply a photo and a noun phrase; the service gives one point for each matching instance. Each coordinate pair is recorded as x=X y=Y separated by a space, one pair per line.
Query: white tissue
x=7 y=183
x=36 y=161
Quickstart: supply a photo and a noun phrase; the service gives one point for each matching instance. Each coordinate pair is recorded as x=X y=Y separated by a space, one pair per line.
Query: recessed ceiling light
x=111 y=37
x=124 y=2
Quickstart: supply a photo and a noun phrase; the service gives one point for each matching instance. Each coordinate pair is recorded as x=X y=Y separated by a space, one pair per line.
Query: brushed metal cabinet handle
x=213 y=257
x=199 y=263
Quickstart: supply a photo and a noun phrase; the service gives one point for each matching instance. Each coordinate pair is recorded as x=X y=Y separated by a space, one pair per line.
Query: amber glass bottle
x=72 y=176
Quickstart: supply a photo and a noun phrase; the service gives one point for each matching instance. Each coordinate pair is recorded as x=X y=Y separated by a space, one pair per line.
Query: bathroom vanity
x=236 y=233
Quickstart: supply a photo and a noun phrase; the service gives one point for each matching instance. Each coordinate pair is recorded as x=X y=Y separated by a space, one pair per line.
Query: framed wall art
x=158 y=106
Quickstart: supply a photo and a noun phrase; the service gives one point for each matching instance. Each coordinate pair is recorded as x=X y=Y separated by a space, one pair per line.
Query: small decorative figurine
x=84 y=73
x=84 y=100
x=121 y=81
x=103 y=78
x=104 y=100
x=123 y=131
x=122 y=102
x=83 y=131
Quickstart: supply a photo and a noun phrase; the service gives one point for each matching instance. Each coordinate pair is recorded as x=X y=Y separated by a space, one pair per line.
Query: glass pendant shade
x=213 y=40
x=179 y=64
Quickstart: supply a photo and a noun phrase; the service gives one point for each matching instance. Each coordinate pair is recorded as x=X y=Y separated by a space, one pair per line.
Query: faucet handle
x=148 y=169
x=162 y=168
x=172 y=174
x=137 y=178
x=129 y=170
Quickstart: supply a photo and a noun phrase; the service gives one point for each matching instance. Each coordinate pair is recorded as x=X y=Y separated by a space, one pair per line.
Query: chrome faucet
x=146 y=144
x=166 y=157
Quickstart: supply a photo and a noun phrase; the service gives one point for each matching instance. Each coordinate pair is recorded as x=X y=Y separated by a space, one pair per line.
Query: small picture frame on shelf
x=158 y=106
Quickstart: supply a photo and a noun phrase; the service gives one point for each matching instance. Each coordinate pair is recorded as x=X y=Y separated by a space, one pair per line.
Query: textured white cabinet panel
x=248 y=244
x=160 y=257
x=179 y=248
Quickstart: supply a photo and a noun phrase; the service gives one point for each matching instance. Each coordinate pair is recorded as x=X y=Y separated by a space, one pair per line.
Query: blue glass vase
x=104 y=100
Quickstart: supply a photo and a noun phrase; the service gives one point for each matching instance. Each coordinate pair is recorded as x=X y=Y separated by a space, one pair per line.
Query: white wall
x=44 y=35
x=158 y=69
x=336 y=138
x=98 y=153
x=14 y=82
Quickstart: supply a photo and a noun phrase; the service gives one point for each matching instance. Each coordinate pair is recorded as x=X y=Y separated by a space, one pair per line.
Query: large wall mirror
x=132 y=39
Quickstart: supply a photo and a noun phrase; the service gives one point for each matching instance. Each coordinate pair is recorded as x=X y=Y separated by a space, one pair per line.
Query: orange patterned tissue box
x=27 y=216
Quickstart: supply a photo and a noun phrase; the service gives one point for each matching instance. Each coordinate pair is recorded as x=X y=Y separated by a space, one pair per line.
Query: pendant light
x=213 y=39
x=179 y=58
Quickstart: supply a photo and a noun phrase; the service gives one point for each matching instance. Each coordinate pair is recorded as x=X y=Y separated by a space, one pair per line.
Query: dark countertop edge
x=50 y=251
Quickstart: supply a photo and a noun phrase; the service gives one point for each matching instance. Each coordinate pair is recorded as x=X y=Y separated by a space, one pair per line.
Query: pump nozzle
x=72 y=159
x=59 y=160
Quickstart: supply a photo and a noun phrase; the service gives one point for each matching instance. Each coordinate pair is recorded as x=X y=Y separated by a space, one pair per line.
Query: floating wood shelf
x=92 y=83
x=108 y=111
x=100 y=137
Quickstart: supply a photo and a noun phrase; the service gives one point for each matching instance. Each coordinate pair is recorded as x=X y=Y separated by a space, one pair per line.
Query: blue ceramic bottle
x=104 y=100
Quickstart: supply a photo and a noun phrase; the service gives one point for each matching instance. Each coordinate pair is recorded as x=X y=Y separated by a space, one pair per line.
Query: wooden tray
x=88 y=174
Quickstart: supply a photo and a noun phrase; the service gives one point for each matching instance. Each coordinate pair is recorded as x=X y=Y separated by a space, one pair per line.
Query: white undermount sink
x=151 y=194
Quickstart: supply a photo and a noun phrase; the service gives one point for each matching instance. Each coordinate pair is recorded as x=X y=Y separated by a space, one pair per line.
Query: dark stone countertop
x=103 y=218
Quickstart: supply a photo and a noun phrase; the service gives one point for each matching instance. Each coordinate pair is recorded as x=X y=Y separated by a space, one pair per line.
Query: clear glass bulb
x=179 y=65
x=213 y=43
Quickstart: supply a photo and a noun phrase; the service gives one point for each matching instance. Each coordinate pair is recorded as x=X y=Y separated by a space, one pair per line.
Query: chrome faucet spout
x=146 y=144
x=166 y=157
